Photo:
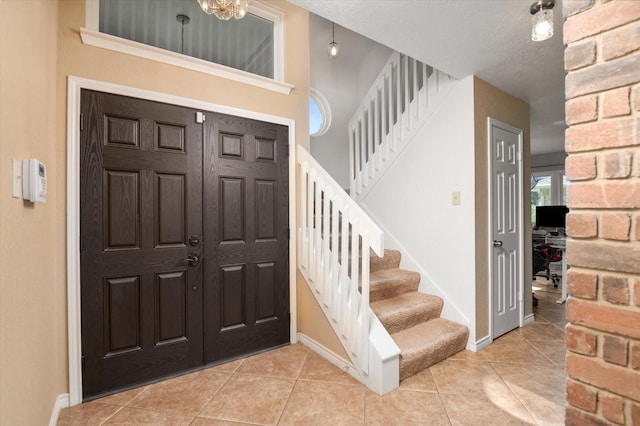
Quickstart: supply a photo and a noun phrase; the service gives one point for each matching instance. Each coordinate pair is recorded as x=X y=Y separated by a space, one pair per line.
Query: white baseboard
x=325 y=353
x=479 y=344
x=62 y=401
x=528 y=319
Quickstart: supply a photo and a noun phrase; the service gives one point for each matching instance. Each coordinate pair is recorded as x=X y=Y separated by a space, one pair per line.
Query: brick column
x=602 y=60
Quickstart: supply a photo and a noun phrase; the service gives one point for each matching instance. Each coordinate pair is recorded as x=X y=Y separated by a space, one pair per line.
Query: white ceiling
x=488 y=38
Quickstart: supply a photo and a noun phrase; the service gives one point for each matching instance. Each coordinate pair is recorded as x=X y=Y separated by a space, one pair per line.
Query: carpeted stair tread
x=390 y=260
x=428 y=343
x=408 y=309
x=392 y=282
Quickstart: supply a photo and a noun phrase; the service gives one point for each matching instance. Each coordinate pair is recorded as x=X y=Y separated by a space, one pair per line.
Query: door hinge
x=81 y=122
x=200 y=117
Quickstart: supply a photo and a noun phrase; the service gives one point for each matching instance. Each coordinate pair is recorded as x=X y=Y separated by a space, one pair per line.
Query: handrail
x=396 y=106
x=335 y=239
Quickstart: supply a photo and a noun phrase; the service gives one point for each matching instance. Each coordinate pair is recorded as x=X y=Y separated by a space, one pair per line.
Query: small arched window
x=319 y=113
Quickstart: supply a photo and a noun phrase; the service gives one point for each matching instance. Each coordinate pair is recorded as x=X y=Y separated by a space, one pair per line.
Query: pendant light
x=333 y=49
x=542 y=22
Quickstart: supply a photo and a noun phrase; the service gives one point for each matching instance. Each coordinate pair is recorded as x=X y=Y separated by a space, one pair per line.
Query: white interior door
x=506 y=226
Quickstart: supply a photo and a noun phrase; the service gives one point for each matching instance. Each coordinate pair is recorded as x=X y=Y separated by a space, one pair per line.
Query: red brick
x=576 y=6
x=594 y=195
x=617 y=165
x=581 y=110
x=615 y=226
x=603 y=76
x=581 y=340
x=580 y=167
x=598 y=254
x=582 y=285
x=612 y=407
x=581 y=225
x=579 y=55
x=635 y=414
x=593 y=371
x=603 y=134
x=615 y=290
x=616 y=102
x=614 y=349
x=636 y=292
x=635 y=355
x=635 y=169
x=582 y=396
x=607 y=318
x=575 y=417
x=621 y=42
x=599 y=19
x=635 y=98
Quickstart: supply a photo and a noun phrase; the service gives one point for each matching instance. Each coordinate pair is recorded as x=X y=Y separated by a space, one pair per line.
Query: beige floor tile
x=90 y=413
x=423 y=381
x=315 y=403
x=471 y=410
x=514 y=334
x=318 y=369
x=402 y=407
x=530 y=382
x=466 y=355
x=518 y=351
x=134 y=416
x=542 y=331
x=250 y=399
x=227 y=367
x=546 y=411
x=283 y=363
x=186 y=394
x=203 y=421
x=123 y=398
x=555 y=351
x=555 y=317
x=469 y=378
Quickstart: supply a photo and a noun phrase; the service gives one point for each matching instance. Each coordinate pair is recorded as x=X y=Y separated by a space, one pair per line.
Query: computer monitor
x=551 y=216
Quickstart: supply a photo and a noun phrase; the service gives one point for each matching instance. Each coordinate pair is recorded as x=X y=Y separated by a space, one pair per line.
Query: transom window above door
x=178 y=32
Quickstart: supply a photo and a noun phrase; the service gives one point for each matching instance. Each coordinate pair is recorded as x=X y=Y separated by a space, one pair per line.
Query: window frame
x=325 y=111
x=92 y=36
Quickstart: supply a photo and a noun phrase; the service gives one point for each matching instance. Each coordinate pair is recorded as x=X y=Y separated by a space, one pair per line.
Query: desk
x=560 y=243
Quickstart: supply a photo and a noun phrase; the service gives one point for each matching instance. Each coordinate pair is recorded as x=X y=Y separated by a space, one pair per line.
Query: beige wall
x=492 y=102
x=35 y=60
x=33 y=343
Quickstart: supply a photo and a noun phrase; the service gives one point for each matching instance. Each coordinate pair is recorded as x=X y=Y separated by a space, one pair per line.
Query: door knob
x=193 y=259
x=497 y=243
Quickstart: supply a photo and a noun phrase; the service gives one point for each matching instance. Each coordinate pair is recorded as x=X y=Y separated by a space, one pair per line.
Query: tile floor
x=519 y=379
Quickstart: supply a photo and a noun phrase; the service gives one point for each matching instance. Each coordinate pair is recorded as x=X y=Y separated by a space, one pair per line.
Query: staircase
x=411 y=318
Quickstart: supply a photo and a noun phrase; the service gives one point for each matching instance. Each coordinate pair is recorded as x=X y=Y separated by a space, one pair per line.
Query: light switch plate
x=455 y=198
x=16 y=178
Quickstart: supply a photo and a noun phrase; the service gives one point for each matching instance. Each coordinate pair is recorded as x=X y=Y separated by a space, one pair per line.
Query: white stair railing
x=399 y=102
x=335 y=236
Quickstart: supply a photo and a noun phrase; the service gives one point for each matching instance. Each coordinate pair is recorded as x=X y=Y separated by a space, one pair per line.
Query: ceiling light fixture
x=334 y=49
x=542 y=20
x=225 y=9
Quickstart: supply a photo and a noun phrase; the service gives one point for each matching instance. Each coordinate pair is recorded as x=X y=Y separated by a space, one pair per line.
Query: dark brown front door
x=246 y=196
x=147 y=206
x=141 y=200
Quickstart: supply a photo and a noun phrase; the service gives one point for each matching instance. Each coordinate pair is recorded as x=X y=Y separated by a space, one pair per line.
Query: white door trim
x=490 y=123
x=75 y=85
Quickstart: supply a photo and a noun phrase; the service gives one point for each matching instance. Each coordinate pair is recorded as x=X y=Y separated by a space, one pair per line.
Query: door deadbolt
x=194 y=240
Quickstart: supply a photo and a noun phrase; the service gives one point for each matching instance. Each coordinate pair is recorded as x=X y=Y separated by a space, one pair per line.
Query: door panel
x=246 y=193
x=140 y=199
x=505 y=148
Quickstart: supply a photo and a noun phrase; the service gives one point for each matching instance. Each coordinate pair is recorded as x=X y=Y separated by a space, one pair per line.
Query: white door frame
x=491 y=122
x=75 y=85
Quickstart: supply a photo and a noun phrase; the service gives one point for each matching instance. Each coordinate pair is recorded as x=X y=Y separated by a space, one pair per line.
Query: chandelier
x=225 y=9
